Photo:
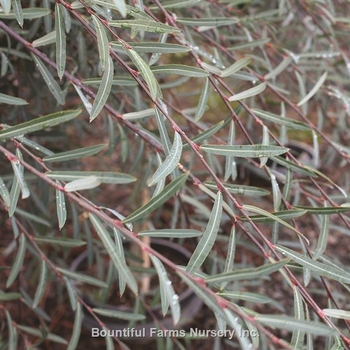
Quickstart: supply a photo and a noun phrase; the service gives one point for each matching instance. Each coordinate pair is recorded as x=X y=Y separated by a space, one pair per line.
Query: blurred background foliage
x=221 y=127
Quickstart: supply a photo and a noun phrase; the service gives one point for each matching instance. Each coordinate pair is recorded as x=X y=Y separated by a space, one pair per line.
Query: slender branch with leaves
x=210 y=135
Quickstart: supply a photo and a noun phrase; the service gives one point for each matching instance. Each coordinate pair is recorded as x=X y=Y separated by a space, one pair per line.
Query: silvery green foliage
x=222 y=126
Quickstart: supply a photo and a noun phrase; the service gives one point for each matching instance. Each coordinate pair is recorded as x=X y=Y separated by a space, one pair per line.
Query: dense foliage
x=221 y=125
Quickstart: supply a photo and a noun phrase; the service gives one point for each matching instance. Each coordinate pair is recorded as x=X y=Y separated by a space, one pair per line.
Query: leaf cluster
x=221 y=126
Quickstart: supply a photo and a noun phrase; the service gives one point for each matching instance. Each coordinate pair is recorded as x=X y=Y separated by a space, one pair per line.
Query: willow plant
x=221 y=125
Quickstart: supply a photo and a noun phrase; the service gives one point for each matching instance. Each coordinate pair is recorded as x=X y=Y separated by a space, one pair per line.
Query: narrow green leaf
x=161 y=184
x=168 y=296
x=41 y=285
x=265 y=14
x=237 y=66
x=118 y=5
x=164 y=136
x=279 y=69
x=47 y=39
x=208 y=22
x=207 y=241
x=250 y=191
x=279 y=120
x=292 y=166
x=117 y=80
x=179 y=69
x=6 y=5
x=318 y=53
x=84 y=99
x=14 y=196
x=102 y=42
x=256 y=90
x=336 y=313
x=82 y=278
x=110 y=340
x=108 y=177
x=18 y=171
x=12 y=333
x=39 y=123
x=230 y=162
x=316 y=150
x=285 y=215
x=64 y=242
x=163 y=281
x=140 y=114
x=314 y=89
x=246 y=296
x=319 y=173
x=206 y=134
x=153 y=47
x=34 y=145
x=4 y=64
x=61 y=52
x=233 y=321
x=211 y=302
x=266 y=142
x=42 y=335
x=244 y=76
x=158 y=200
x=210 y=68
x=78 y=320
x=18 y=262
x=323 y=237
x=49 y=80
x=170 y=161
x=145 y=70
x=67 y=20
x=271 y=216
x=48 y=18
x=10 y=100
x=120 y=252
x=202 y=104
x=9 y=296
x=291 y=324
x=245 y=151
x=298 y=335
x=317 y=267
x=32 y=217
x=72 y=293
x=103 y=90
x=75 y=154
x=276 y=193
x=230 y=256
x=171 y=233
x=128 y=316
x=27 y=13
x=324 y=210
x=4 y=193
x=61 y=208
x=249 y=44
x=302 y=89
x=248 y=273
x=338 y=343
x=145 y=25
x=82 y=184
x=109 y=245
x=211 y=194
x=341 y=147
x=124 y=143
x=136 y=12
x=172 y=4
x=121 y=7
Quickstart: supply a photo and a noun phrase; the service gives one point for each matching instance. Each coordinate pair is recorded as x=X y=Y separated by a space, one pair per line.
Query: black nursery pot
x=190 y=304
